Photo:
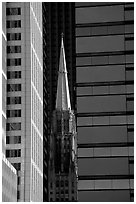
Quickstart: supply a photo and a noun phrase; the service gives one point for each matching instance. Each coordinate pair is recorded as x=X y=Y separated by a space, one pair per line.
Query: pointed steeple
x=63 y=97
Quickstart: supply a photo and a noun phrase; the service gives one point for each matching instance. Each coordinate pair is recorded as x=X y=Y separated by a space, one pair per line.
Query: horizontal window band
x=101 y=157
x=98 y=177
x=127 y=22
x=109 y=94
x=90 y=54
x=104 y=113
x=103 y=189
x=100 y=35
x=106 y=125
x=95 y=145
x=103 y=65
x=102 y=4
x=107 y=83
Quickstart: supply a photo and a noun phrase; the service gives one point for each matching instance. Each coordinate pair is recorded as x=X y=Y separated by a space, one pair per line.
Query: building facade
x=9 y=173
x=57 y=18
x=24 y=109
x=9 y=181
x=105 y=101
x=62 y=169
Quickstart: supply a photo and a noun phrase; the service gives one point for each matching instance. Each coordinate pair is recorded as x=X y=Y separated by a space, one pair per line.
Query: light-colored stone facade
x=24 y=147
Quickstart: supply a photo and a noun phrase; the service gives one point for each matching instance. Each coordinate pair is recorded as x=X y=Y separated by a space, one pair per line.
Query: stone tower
x=63 y=142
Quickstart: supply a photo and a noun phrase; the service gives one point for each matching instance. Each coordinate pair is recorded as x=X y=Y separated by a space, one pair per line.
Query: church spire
x=63 y=97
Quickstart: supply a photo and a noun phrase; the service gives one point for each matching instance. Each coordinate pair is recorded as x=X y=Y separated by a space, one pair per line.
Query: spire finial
x=63 y=96
x=62 y=35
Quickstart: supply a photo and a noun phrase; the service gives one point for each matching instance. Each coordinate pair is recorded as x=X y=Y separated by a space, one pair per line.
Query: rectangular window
x=13 y=113
x=13 y=36
x=100 y=44
x=101 y=104
x=104 y=195
x=14 y=49
x=109 y=166
x=14 y=62
x=99 y=14
x=13 y=153
x=101 y=74
x=14 y=75
x=18 y=194
x=13 y=139
x=14 y=24
x=13 y=11
x=13 y=87
x=111 y=134
x=13 y=126
x=18 y=180
x=13 y=100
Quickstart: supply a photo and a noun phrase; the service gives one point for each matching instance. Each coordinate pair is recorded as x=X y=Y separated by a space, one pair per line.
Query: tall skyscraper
x=9 y=173
x=62 y=168
x=24 y=127
x=57 y=18
x=105 y=101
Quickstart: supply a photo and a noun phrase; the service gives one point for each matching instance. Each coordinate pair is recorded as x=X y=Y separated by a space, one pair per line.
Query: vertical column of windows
x=129 y=69
x=14 y=60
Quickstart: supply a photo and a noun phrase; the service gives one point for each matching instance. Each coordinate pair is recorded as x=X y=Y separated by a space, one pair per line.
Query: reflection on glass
x=83 y=31
x=114 y=120
x=120 y=184
x=103 y=166
x=101 y=74
x=105 y=151
x=101 y=104
x=99 y=14
x=115 y=134
x=84 y=121
x=100 y=44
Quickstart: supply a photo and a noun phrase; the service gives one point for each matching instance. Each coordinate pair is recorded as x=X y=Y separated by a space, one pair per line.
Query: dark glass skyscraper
x=104 y=81
x=105 y=98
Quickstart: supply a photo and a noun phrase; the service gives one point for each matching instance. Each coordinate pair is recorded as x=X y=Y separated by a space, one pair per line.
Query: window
x=13 y=11
x=14 y=75
x=18 y=180
x=83 y=31
x=13 y=113
x=17 y=166
x=109 y=166
x=13 y=87
x=100 y=44
x=13 y=36
x=13 y=126
x=14 y=49
x=66 y=183
x=18 y=194
x=101 y=104
x=13 y=139
x=104 y=196
x=99 y=14
x=14 y=24
x=112 y=134
x=13 y=100
x=14 y=62
x=13 y=153
x=101 y=74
